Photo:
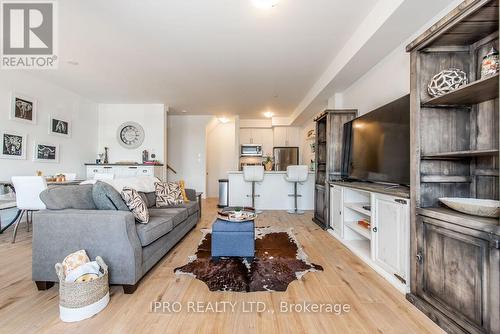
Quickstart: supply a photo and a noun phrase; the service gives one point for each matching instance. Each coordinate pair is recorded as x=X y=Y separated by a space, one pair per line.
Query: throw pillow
x=136 y=204
x=168 y=194
x=107 y=198
x=182 y=185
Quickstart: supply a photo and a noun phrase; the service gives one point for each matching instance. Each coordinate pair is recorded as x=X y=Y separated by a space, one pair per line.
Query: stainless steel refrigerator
x=284 y=157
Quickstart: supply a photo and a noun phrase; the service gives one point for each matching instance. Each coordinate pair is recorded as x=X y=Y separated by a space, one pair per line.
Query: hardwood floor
x=375 y=305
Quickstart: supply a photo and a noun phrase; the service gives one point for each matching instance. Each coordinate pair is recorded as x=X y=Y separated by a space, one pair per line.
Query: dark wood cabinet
x=328 y=158
x=455 y=278
x=455 y=273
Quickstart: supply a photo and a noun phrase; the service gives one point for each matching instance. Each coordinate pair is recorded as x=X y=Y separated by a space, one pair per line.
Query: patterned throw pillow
x=136 y=204
x=168 y=194
x=182 y=185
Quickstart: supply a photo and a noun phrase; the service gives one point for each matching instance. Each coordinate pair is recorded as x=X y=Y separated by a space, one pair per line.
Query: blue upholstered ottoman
x=233 y=238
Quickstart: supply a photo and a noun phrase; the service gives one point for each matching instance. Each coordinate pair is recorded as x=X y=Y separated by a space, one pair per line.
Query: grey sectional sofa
x=129 y=249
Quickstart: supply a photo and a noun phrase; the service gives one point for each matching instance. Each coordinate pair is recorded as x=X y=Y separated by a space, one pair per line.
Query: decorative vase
x=446 y=81
x=268 y=165
x=490 y=64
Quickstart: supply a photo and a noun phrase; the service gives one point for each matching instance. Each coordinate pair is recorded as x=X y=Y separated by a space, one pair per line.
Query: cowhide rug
x=279 y=260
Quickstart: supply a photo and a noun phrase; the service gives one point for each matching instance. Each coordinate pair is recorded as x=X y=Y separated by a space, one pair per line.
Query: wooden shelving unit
x=475 y=92
x=328 y=144
x=455 y=145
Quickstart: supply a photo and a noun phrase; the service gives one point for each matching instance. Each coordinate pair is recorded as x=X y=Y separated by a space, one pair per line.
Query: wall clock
x=130 y=135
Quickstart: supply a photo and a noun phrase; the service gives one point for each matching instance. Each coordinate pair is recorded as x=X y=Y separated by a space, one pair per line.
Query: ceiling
x=220 y=57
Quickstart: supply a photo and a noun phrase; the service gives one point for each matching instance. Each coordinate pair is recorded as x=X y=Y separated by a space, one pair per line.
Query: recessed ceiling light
x=269 y=114
x=184 y=111
x=265 y=4
x=223 y=120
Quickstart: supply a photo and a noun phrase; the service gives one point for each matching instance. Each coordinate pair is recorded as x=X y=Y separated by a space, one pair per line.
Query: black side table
x=198 y=199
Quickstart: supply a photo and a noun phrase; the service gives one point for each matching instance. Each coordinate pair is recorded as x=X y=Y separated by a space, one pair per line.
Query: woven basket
x=81 y=300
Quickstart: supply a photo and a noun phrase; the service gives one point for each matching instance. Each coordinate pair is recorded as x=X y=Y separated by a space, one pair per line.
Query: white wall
x=150 y=116
x=385 y=82
x=222 y=145
x=187 y=150
x=52 y=99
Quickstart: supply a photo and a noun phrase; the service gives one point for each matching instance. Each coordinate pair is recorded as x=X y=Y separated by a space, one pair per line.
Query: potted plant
x=268 y=162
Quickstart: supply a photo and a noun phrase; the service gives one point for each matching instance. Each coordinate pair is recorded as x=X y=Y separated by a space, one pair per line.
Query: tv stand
x=372 y=221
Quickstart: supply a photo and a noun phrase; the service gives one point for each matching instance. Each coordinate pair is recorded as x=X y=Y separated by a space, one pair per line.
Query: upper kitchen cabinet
x=262 y=136
x=286 y=136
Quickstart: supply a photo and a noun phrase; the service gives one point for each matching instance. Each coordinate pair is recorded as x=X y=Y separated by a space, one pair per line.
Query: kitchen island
x=273 y=191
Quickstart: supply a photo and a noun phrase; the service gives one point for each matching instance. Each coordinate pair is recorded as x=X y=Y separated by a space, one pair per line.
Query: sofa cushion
x=191 y=207
x=178 y=215
x=157 y=227
x=68 y=197
x=136 y=204
x=107 y=198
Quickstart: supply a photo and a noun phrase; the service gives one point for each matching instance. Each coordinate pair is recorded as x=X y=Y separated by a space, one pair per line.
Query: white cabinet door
x=390 y=234
x=257 y=136
x=293 y=136
x=336 y=209
x=279 y=134
x=267 y=141
x=245 y=136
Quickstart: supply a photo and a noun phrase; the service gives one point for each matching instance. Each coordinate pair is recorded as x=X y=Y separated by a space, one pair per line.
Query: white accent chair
x=28 y=189
x=296 y=174
x=253 y=174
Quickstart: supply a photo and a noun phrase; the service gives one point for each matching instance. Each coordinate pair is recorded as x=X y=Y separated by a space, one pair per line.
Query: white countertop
x=265 y=172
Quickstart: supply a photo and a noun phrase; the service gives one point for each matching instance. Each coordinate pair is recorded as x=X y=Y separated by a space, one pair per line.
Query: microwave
x=251 y=150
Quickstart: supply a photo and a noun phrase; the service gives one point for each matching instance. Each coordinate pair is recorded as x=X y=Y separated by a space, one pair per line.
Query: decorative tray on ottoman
x=237 y=214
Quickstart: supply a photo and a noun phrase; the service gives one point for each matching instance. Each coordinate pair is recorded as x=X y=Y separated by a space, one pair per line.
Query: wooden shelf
x=460 y=154
x=358 y=207
x=445 y=179
x=366 y=233
x=359 y=247
x=472 y=93
x=490 y=225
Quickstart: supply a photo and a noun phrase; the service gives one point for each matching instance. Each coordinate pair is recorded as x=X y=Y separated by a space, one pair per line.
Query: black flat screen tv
x=376 y=146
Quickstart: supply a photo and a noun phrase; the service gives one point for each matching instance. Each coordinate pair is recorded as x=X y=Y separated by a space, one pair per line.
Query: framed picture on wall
x=13 y=145
x=44 y=152
x=59 y=126
x=23 y=108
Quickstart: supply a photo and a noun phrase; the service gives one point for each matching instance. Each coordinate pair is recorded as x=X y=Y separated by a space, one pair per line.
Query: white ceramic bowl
x=473 y=206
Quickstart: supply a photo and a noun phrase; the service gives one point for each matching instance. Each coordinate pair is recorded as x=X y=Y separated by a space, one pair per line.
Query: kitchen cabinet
x=286 y=136
x=263 y=136
x=336 y=209
x=390 y=234
x=246 y=136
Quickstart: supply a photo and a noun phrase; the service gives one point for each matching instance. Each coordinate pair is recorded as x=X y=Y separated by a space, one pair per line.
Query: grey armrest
x=109 y=234
x=191 y=194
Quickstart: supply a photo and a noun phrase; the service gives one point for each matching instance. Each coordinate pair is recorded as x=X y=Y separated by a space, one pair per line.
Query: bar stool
x=296 y=174
x=253 y=174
